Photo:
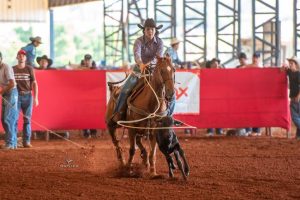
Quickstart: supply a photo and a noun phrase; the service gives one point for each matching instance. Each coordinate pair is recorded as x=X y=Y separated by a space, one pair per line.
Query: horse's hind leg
x=112 y=132
x=132 y=140
x=144 y=153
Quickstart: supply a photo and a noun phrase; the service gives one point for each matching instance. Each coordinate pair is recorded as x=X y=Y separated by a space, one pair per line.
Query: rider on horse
x=146 y=48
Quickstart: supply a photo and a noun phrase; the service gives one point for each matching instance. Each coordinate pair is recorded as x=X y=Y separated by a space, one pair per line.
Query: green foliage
x=23 y=35
x=70 y=47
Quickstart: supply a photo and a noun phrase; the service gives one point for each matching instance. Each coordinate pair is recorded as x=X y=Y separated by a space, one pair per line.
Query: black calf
x=168 y=143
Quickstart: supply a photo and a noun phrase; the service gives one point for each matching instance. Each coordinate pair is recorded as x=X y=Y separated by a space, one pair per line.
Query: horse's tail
x=111 y=84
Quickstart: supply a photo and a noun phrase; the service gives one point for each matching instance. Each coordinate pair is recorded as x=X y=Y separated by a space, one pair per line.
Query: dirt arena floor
x=221 y=168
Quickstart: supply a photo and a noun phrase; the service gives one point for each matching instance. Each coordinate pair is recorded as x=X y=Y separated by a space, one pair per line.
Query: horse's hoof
x=147 y=165
x=156 y=176
x=122 y=163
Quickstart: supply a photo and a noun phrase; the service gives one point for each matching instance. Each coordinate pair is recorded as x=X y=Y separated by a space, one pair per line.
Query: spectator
x=88 y=63
x=293 y=72
x=9 y=94
x=172 y=51
x=44 y=62
x=26 y=82
x=242 y=59
x=243 y=62
x=31 y=50
x=255 y=63
x=214 y=63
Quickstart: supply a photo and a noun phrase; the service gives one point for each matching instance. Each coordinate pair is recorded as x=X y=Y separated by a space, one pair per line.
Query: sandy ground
x=221 y=168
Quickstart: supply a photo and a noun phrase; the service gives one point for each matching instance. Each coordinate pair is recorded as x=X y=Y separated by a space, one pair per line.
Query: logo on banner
x=187 y=91
x=180 y=92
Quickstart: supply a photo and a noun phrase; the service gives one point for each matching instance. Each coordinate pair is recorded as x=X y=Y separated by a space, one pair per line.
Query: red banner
x=236 y=98
x=229 y=98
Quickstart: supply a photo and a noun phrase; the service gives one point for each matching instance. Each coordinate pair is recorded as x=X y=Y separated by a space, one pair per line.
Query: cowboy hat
x=50 y=62
x=295 y=60
x=174 y=41
x=150 y=23
x=36 y=39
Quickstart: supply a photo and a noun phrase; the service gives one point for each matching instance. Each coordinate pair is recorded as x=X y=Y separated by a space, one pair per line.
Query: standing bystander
x=293 y=72
x=9 y=94
x=31 y=50
x=26 y=82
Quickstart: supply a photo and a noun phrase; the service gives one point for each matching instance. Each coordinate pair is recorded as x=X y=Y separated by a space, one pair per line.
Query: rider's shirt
x=146 y=51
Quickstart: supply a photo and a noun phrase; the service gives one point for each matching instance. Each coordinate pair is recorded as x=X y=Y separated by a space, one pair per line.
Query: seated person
x=44 y=62
x=87 y=62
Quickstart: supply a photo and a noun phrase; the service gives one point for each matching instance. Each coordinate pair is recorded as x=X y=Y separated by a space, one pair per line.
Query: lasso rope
x=151 y=115
x=45 y=128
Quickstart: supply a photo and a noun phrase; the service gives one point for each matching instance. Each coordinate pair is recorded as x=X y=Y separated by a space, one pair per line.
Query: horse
x=168 y=143
x=147 y=102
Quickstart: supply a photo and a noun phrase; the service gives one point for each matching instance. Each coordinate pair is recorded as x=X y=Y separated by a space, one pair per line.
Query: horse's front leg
x=112 y=132
x=132 y=140
x=152 y=157
x=144 y=153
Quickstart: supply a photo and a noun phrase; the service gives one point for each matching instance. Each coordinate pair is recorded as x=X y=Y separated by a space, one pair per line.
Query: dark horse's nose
x=169 y=94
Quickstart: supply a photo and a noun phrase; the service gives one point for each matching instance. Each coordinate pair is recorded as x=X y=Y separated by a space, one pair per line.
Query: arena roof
x=56 y=3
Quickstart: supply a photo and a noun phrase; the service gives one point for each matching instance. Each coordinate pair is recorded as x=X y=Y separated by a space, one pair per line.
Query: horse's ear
x=167 y=55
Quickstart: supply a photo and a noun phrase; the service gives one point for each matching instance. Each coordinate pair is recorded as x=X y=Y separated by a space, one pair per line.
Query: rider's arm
x=160 y=49
x=137 y=50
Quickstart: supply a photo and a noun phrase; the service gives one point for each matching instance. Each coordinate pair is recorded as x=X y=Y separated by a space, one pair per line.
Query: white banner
x=187 y=88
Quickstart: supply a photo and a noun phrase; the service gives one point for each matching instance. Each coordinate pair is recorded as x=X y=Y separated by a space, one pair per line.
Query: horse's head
x=166 y=71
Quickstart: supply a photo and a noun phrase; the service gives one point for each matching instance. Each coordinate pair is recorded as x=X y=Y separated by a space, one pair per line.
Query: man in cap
x=145 y=49
x=26 y=82
x=293 y=72
x=44 y=62
x=172 y=51
x=9 y=94
x=242 y=60
x=255 y=60
x=31 y=50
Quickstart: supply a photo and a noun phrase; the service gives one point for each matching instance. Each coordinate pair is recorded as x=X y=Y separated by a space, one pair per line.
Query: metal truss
x=113 y=32
x=137 y=14
x=228 y=26
x=296 y=27
x=266 y=30
x=165 y=14
x=194 y=14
